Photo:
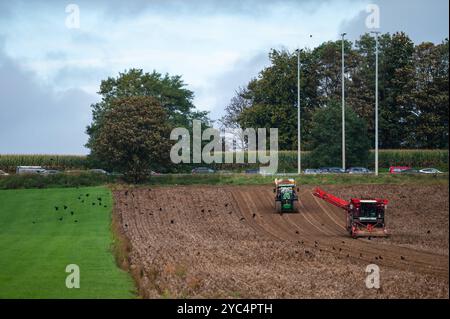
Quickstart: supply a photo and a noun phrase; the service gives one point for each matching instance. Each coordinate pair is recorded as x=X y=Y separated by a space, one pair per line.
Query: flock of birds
x=82 y=198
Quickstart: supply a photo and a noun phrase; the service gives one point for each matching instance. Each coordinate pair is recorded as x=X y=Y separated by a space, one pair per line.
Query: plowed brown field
x=229 y=242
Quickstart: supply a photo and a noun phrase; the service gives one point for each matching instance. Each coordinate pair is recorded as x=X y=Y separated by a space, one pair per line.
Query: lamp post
x=299 y=160
x=376 y=101
x=343 y=103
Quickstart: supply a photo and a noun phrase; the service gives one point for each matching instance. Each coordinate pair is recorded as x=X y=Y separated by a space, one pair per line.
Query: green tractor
x=286 y=198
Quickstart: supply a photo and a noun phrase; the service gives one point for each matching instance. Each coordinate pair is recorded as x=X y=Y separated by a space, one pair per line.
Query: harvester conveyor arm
x=336 y=201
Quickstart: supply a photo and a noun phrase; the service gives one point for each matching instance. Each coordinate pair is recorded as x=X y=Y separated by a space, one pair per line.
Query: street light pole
x=299 y=160
x=376 y=101
x=343 y=103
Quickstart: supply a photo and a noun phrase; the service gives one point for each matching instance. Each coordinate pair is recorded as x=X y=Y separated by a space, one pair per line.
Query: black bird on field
x=87 y=195
x=56 y=208
x=71 y=213
x=65 y=207
x=60 y=219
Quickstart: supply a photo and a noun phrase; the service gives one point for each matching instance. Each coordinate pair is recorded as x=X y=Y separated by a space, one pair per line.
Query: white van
x=30 y=170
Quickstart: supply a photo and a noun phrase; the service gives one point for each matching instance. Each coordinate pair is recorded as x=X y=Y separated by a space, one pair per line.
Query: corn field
x=287 y=161
x=61 y=162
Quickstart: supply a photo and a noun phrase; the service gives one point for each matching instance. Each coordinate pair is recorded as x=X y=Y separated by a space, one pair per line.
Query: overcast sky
x=49 y=73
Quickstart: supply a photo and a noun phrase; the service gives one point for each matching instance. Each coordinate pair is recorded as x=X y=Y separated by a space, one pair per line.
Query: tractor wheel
x=278 y=206
x=296 y=207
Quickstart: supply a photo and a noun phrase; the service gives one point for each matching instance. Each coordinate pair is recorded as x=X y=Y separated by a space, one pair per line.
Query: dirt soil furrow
x=228 y=242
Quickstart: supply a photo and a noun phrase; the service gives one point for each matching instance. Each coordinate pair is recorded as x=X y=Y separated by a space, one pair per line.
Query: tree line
x=413 y=92
x=131 y=124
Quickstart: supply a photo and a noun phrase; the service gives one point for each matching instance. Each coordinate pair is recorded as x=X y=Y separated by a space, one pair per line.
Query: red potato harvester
x=365 y=217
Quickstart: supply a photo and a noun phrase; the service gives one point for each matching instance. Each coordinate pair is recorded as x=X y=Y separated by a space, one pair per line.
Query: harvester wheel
x=353 y=232
x=296 y=206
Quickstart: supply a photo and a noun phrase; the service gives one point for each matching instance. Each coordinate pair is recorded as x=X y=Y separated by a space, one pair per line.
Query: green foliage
x=326 y=138
x=287 y=162
x=134 y=137
x=169 y=91
x=413 y=91
x=320 y=179
x=8 y=162
x=280 y=116
x=52 y=181
x=37 y=242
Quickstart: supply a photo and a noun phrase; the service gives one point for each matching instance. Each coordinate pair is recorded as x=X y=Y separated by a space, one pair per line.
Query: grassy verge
x=243 y=179
x=63 y=180
x=54 y=181
x=37 y=242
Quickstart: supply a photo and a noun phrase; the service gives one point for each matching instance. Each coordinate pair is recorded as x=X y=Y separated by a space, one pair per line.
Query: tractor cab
x=286 y=196
x=367 y=216
x=367 y=210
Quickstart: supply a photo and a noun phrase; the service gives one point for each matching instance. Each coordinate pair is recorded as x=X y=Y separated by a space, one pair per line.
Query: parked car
x=51 y=172
x=252 y=171
x=334 y=170
x=312 y=171
x=118 y=174
x=153 y=173
x=430 y=171
x=2 y=173
x=98 y=171
x=398 y=169
x=202 y=170
x=358 y=170
x=224 y=172
x=410 y=171
x=30 y=170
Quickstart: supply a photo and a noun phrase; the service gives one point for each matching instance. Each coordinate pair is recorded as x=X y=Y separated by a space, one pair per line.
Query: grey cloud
x=118 y=9
x=85 y=37
x=226 y=84
x=56 y=55
x=78 y=76
x=35 y=119
x=421 y=20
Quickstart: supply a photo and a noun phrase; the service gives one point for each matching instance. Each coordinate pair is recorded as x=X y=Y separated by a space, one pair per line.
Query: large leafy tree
x=413 y=91
x=396 y=69
x=428 y=98
x=133 y=137
x=327 y=142
x=169 y=91
x=271 y=99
